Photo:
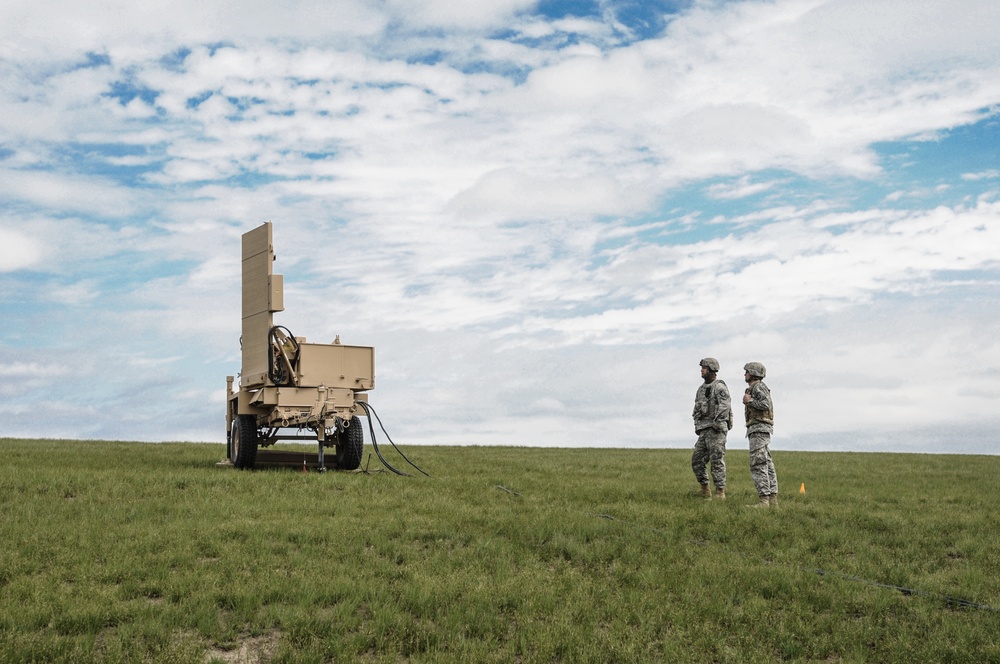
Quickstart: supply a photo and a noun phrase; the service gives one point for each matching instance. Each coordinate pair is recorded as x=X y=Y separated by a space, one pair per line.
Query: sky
x=542 y=215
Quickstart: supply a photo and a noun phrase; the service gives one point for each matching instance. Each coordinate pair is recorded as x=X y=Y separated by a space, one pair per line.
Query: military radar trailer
x=288 y=389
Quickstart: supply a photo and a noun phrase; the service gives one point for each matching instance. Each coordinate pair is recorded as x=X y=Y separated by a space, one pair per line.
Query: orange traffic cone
x=802 y=489
x=304 y=469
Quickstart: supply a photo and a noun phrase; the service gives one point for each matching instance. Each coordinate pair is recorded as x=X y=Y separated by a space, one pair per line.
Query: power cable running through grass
x=371 y=428
x=947 y=599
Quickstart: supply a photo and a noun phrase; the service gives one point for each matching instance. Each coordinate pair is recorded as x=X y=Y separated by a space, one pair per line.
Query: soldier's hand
x=747 y=398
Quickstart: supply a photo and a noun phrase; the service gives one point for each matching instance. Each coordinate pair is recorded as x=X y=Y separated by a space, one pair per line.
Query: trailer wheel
x=351 y=446
x=244 y=441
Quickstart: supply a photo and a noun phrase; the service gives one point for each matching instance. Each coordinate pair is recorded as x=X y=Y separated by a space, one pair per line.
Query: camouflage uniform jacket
x=760 y=410
x=713 y=407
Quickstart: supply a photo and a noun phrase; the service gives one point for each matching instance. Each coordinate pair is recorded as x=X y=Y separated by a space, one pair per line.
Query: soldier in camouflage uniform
x=713 y=418
x=760 y=425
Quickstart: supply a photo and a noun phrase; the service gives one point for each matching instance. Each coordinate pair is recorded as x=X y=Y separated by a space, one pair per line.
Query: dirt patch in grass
x=250 y=650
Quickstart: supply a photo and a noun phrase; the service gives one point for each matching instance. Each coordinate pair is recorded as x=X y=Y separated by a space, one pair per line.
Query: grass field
x=129 y=552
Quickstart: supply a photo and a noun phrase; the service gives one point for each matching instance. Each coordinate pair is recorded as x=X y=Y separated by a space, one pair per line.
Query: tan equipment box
x=288 y=384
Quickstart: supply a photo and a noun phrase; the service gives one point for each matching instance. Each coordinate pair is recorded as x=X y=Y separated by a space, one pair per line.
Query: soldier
x=760 y=424
x=713 y=418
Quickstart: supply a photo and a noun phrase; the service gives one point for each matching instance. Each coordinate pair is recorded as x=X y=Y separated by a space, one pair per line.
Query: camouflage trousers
x=710 y=449
x=761 y=467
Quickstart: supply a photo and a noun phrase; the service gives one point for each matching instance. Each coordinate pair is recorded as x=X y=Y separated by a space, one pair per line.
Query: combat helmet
x=755 y=369
x=710 y=363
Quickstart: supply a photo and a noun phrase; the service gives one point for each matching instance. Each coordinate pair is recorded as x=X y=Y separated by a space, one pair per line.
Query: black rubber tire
x=244 y=441
x=351 y=446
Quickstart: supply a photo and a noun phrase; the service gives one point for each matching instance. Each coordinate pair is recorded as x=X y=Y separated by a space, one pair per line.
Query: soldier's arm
x=725 y=404
x=760 y=398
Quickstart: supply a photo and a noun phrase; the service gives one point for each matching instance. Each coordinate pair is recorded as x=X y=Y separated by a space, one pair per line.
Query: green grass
x=129 y=552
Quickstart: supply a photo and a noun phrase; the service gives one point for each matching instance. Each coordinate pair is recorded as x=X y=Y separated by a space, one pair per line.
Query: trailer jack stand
x=320 y=467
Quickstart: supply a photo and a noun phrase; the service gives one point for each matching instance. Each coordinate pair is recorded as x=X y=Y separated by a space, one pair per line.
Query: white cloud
x=78 y=293
x=18 y=251
x=66 y=28
x=741 y=189
x=509 y=195
x=70 y=244
x=989 y=174
x=22 y=370
x=66 y=192
x=493 y=221
x=459 y=13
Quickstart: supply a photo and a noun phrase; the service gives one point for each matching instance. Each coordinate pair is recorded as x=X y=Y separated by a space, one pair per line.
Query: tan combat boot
x=773 y=500
x=705 y=493
x=762 y=502
x=720 y=494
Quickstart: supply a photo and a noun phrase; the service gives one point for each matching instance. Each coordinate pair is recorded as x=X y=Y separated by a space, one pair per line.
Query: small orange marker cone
x=306 y=470
x=802 y=489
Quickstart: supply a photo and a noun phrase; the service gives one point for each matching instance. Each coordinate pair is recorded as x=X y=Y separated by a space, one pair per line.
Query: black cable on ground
x=947 y=599
x=378 y=452
x=371 y=412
